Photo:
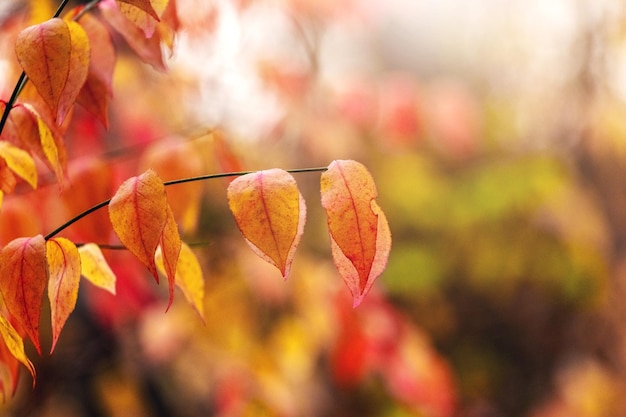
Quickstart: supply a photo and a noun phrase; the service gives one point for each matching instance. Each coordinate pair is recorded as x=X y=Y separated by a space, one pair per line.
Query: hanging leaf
x=26 y=129
x=64 y=270
x=9 y=371
x=55 y=56
x=138 y=214
x=147 y=49
x=359 y=233
x=95 y=268
x=95 y=93
x=189 y=277
x=170 y=249
x=270 y=213
x=20 y=162
x=15 y=345
x=143 y=13
x=24 y=271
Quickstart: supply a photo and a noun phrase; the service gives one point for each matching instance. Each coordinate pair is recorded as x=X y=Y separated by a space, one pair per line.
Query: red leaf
x=98 y=87
x=64 y=267
x=24 y=271
x=270 y=213
x=138 y=215
x=55 y=56
x=359 y=233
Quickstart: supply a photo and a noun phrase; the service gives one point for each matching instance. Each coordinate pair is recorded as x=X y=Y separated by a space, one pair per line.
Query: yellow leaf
x=55 y=56
x=360 y=235
x=189 y=277
x=48 y=144
x=24 y=272
x=138 y=213
x=20 y=162
x=64 y=269
x=170 y=246
x=270 y=213
x=15 y=344
x=95 y=268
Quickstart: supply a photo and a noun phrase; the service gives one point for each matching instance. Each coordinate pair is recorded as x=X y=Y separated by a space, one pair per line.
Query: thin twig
x=168 y=183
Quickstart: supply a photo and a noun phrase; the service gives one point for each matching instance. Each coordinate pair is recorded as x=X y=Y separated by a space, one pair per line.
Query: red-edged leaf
x=145 y=14
x=15 y=345
x=24 y=271
x=170 y=248
x=360 y=235
x=138 y=213
x=147 y=49
x=55 y=56
x=98 y=87
x=189 y=277
x=270 y=213
x=64 y=269
x=95 y=268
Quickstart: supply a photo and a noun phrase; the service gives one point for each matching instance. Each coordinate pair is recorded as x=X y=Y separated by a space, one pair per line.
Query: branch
x=21 y=82
x=168 y=183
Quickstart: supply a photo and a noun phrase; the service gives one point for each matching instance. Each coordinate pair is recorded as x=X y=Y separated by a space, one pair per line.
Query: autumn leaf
x=270 y=213
x=47 y=144
x=64 y=270
x=55 y=56
x=189 y=277
x=138 y=213
x=143 y=13
x=359 y=233
x=147 y=49
x=15 y=345
x=20 y=162
x=98 y=87
x=95 y=268
x=24 y=271
x=170 y=245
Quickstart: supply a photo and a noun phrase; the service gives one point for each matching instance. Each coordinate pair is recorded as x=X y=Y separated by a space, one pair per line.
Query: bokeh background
x=496 y=134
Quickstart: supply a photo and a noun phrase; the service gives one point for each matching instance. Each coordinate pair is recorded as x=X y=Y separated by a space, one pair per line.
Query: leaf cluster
x=69 y=60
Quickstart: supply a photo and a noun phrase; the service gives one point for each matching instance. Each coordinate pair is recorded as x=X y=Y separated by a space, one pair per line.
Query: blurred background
x=496 y=134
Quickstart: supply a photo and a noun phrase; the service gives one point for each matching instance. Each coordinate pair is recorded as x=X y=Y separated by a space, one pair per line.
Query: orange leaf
x=64 y=269
x=142 y=13
x=189 y=277
x=147 y=49
x=359 y=233
x=138 y=214
x=95 y=268
x=55 y=56
x=20 y=162
x=98 y=87
x=15 y=346
x=24 y=272
x=270 y=213
x=170 y=246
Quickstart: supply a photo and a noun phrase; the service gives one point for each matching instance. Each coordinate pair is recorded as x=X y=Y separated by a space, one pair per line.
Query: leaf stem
x=168 y=183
